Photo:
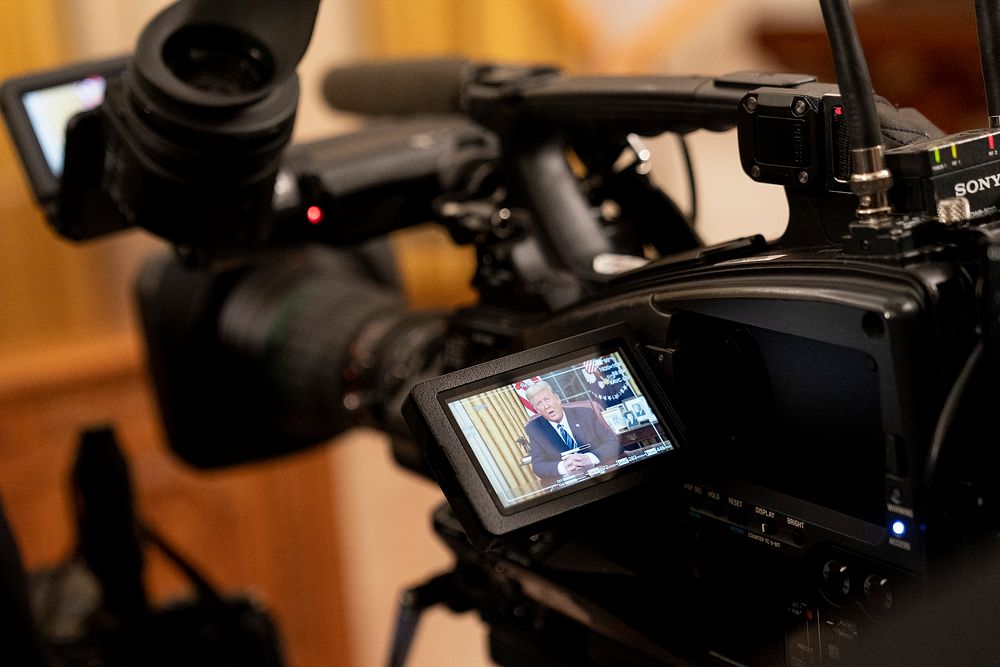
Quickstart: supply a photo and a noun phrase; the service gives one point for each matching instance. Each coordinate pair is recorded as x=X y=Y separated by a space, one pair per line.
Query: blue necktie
x=567 y=438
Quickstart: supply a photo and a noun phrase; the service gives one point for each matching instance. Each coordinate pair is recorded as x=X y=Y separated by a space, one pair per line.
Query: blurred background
x=327 y=539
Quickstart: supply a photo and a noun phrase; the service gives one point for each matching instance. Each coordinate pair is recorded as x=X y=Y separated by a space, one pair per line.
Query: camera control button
x=737 y=514
x=878 y=594
x=713 y=502
x=836 y=581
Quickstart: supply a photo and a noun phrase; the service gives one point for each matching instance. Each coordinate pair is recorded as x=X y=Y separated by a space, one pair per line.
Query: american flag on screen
x=591 y=365
x=522 y=388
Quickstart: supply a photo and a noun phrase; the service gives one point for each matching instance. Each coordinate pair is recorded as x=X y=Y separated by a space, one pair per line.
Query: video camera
x=777 y=452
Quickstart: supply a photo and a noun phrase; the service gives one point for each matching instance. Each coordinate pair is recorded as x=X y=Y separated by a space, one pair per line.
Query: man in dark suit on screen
x=566 y=440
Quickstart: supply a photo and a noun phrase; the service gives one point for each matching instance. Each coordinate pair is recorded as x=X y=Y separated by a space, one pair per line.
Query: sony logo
x=974 y=186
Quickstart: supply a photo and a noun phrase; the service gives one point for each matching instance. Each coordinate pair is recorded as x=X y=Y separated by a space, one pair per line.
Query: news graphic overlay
x=554 y=428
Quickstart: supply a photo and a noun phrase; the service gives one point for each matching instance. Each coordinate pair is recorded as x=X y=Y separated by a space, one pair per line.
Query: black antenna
x=870 y=179
x=988 y=22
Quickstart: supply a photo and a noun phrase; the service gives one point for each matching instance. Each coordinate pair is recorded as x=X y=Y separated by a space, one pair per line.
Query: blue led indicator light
x=898 y=528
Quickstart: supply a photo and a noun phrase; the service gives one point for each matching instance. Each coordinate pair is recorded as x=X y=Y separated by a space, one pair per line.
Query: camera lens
x=284 y=352
x=331 y=348
x=218 y=60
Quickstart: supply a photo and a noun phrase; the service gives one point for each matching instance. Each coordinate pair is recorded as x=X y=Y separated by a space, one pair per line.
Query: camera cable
x=988 y=24
x=948 y=412
x=870 y=179
x=692 y=183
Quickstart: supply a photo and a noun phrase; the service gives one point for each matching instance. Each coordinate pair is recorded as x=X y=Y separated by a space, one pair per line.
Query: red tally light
x=838 y=111
x=991 y=141
x=314 y=214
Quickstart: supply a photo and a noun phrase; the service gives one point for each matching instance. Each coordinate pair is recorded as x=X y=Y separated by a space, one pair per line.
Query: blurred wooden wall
x=572 y=34
x=52 y=292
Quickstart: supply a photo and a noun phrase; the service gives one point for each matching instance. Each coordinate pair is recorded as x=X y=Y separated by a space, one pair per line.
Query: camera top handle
x=645 y=105
x=537 y=114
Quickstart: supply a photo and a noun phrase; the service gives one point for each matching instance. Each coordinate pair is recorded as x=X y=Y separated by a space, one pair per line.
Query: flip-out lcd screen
x=532 y=435
x=49 y=110
x=37 y=109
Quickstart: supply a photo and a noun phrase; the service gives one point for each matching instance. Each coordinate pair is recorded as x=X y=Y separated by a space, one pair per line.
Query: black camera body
x=799 y=375
x=829 y=389
x=812 y=506
x=809 y=388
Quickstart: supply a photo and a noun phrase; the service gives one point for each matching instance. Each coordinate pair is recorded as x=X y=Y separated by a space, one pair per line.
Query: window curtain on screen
x=499 y=418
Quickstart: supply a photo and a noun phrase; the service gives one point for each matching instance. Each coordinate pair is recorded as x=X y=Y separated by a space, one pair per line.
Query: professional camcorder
x=654 y=451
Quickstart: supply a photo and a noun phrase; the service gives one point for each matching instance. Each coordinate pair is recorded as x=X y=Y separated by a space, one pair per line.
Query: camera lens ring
x=153 y=61
x=218 y=59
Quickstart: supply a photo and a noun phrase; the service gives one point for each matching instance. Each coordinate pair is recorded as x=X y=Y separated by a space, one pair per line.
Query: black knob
x=836 y=580
x=878 y=594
